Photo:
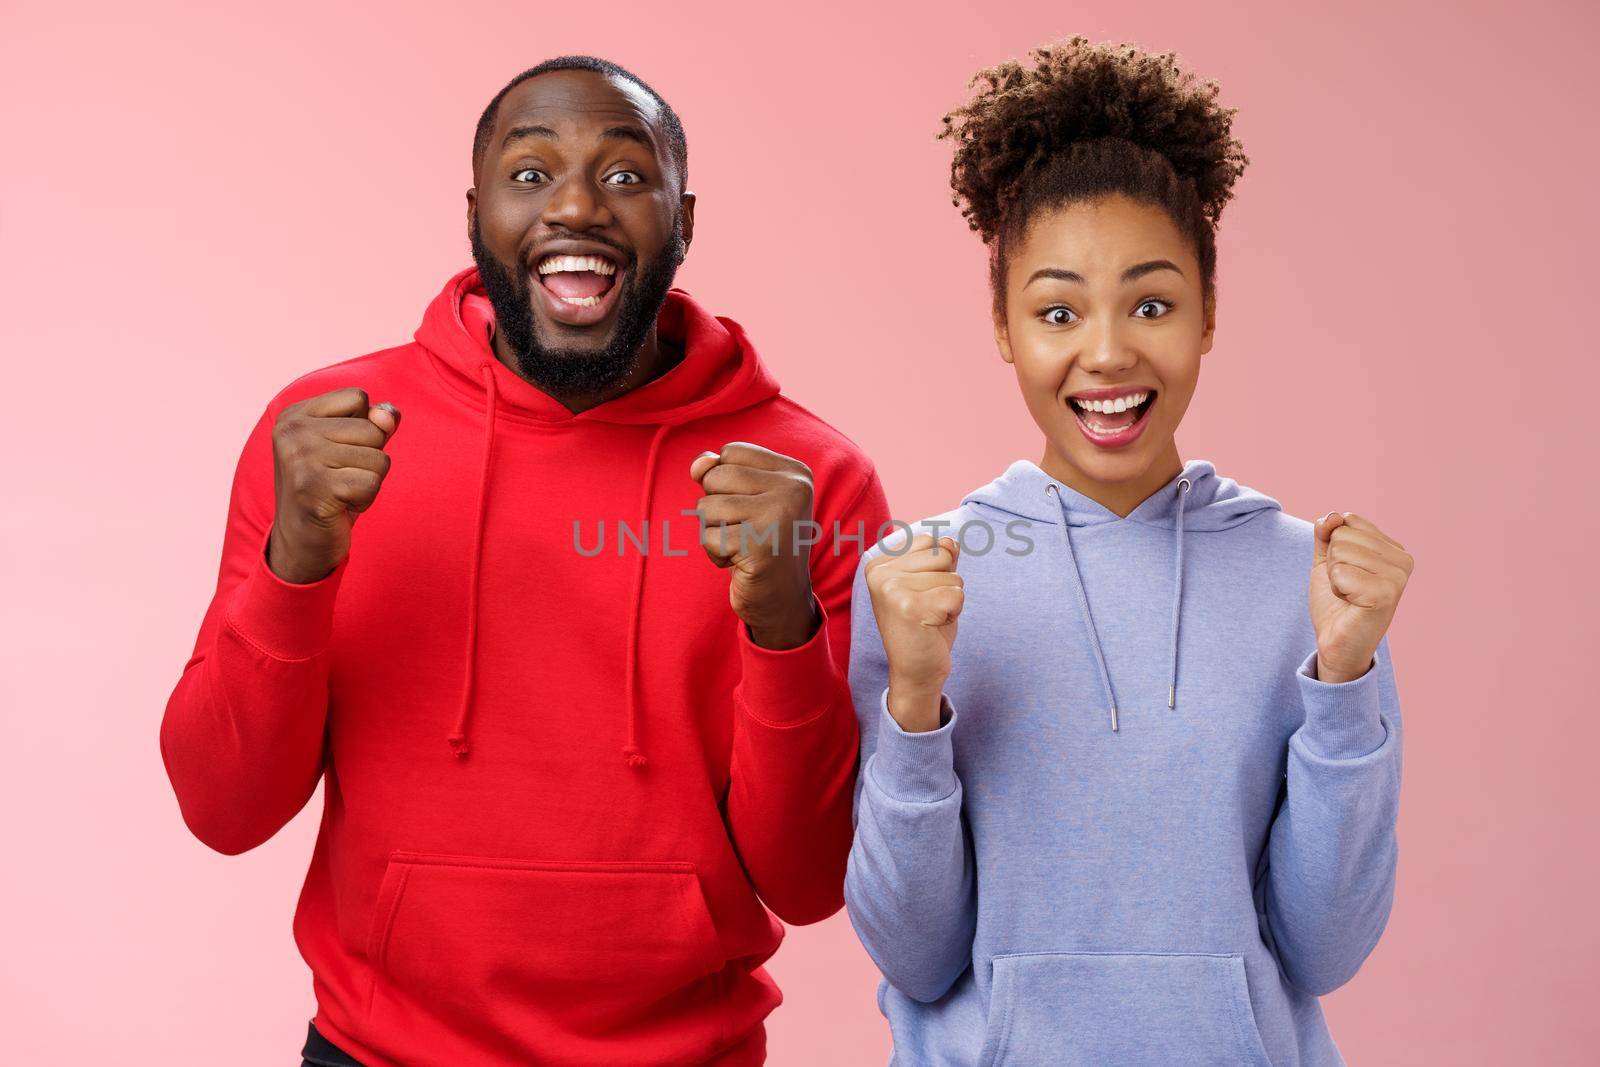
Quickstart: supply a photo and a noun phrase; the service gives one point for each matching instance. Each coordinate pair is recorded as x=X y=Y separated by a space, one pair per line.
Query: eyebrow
x=628 y=133
x=1149 y=266
x=611 y=133
x=521 y=133
x=1132 y=274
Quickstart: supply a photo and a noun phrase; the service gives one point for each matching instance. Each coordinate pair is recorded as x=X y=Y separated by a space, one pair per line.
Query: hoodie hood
x=1210 y=503
x=1196 y=500
x=720 y=372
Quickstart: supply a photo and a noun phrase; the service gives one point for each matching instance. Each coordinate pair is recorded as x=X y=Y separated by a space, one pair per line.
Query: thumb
x=386 y=417
x=1324 y=530
x=952 y=546
x=703 y=463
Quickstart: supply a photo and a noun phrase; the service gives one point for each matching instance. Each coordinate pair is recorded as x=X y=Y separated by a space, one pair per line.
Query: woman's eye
x=1060 y=316
x=1152 y=309
x=532 y=175
x=624 y=177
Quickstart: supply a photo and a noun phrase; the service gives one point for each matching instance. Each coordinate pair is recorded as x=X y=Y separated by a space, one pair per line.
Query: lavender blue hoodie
x=1145 y=833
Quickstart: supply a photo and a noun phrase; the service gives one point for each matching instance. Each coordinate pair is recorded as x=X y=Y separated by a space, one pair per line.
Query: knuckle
x=284 y=431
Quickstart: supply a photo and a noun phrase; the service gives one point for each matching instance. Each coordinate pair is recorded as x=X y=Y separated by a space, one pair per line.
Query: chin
x=1106 y=465
x=573 y=342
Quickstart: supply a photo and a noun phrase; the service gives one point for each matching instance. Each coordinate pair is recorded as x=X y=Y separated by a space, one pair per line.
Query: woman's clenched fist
x=1358 y=574
x=328 y=463
x=917 y=597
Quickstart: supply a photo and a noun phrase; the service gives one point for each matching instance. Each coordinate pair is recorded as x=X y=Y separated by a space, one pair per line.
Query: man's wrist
x=792 y=631
x=293 y=568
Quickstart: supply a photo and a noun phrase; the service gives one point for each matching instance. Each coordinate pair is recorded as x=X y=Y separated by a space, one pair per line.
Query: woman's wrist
x=1332 y=673
x=915 y=705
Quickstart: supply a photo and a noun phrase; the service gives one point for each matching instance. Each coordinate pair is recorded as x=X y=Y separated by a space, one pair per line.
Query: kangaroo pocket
x=521 y=951
x=1068 y=1008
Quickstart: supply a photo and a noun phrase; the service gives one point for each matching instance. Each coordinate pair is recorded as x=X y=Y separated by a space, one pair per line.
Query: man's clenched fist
x=755 y=519
x=917 y=597
x=1357 y=576
x=328 y=463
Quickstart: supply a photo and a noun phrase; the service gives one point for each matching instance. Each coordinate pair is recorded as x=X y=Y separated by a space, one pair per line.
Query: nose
x=574 y=204
x=1105 y=350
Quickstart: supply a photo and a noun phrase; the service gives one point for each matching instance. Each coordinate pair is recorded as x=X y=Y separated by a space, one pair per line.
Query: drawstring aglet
x=633 y=757
x=1113 y=718
x=1172 y=696
x=458 y=745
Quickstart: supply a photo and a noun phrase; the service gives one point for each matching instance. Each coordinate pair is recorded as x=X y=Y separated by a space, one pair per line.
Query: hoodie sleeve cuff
x=918 y=768
x=785 y=687
x=1343 y=719
x=284 y=620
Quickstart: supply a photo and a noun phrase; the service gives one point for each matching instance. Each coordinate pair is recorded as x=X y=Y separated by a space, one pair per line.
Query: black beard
x=563 y=372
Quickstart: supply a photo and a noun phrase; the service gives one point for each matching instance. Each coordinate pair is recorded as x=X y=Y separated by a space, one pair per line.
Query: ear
x=687 y=200
x=1210 y=329
x=472 y=211
x=1002 y=335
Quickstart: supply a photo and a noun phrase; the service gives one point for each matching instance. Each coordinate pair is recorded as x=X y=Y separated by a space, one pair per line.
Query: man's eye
x=1152 y=309
x=624 y=177
x=1060 y=316
x=528 y=174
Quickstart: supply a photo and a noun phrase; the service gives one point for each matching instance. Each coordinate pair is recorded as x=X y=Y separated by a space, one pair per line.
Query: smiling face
x=1104 y=320
x=578 y=223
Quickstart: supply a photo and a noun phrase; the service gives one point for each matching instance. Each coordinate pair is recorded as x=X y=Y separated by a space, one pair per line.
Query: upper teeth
x=1121 y=403
x=593 y=264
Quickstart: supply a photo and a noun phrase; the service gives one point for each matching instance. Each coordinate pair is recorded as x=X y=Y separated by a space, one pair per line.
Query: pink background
x=199 y=206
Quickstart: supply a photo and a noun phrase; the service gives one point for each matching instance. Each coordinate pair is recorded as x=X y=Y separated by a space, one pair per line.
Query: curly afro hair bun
x=1087 y=120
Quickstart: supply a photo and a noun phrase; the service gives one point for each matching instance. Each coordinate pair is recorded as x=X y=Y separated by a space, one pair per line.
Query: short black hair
x=677 y=143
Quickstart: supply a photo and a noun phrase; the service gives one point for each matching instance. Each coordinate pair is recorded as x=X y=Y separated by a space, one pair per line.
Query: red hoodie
x=495 y=880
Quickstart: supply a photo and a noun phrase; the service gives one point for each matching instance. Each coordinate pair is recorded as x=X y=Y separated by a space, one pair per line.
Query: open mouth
x=578 y=289
x=1112 y=418
x=578 y=280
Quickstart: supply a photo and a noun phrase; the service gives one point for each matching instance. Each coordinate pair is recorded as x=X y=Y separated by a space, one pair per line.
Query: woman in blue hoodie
x=1143 y=811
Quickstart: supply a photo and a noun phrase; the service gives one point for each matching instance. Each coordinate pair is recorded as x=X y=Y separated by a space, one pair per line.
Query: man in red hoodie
x=571 y=769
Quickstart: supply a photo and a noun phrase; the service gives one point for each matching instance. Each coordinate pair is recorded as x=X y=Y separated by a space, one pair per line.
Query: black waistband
x=324 y=1053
